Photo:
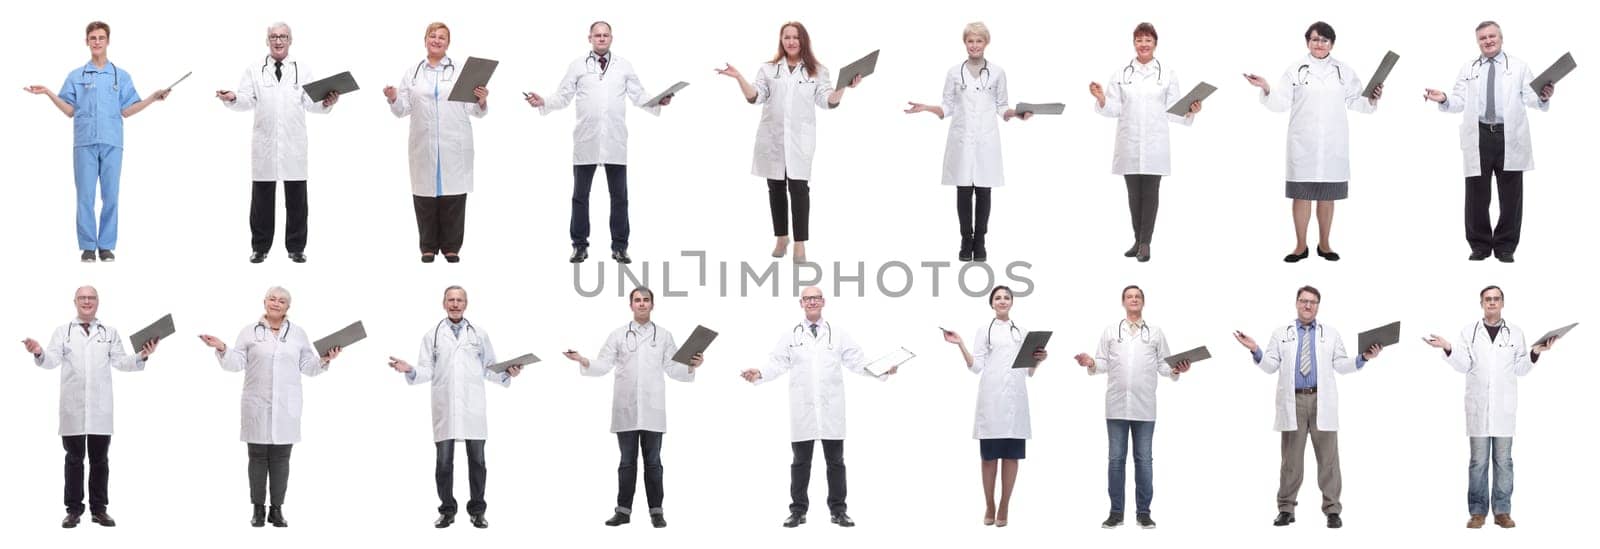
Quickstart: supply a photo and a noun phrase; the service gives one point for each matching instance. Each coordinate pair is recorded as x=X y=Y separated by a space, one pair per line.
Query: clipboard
x=524 y=360
x=862 y=67
x=656 y=101
x=1389 y=59
x=886 y=362
x=1558 y=332
x=1194 y=355
x=158 y=330
x=474 y=75
x=341 y=339
x=1200 y=92
x=1031 y=342
x=1385 y=335
x=698 y=341
x=1555 y=73
x=1040 y=108
x=343 y=83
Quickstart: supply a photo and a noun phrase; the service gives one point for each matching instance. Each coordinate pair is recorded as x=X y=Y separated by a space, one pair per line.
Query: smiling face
x=87 y=302
x=975 y=45
x=1320 y=46
x=790 y=40
x=811 y=301
x=276 y=305
x=1133 y=301
x=97 y=40
x=1144 y=46
x=278 y=40
x=455 y=303
x=600 y=38
x=1306 y=305
x=437 y=42
x=1489 y=40
x=1001 y=301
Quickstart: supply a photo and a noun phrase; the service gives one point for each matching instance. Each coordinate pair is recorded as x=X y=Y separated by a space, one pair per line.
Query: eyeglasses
x=1312 y=302
x=278 y=38
x=87 y=298
x=811 y=299
x=1493 y=298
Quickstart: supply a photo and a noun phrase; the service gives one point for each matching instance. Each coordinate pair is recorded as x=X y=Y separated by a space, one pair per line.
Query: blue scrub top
x=98 y=96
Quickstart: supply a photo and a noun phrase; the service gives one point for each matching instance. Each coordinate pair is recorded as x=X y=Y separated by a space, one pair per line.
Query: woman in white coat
x=640 y=354
x=1316 y=91
x=1002 y=422
x=974 y=96
x=1138 y=96
x=1492 y=353
x=440 y=145
x=790 y=88
x=273 y=353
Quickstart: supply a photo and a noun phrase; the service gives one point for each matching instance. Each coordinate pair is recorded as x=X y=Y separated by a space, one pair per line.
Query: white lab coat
x=639 y=355
x=86 y=361
x=786 y=138
x=816 y=368
x=975 y=107
x=1513 y=94
x=1133 y=361
x=1278 y=355
x=1492 y=369
x=456 y=368
x=278 y=137
x=1002 y=390
x=270 y=404
x=1316 y=93
x=441 y=133
x=601 y=136
x=1138 y=96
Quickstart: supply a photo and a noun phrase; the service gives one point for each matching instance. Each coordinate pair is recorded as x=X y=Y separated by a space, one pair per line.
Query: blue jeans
x=1485 y=450
x=1117 y=431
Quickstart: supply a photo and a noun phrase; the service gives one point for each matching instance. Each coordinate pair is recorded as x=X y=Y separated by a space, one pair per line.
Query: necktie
x=813 y=329
x=85 y=327
x=1305 y=351
x=603 y=63
x=277 y=70
x=1488 y=99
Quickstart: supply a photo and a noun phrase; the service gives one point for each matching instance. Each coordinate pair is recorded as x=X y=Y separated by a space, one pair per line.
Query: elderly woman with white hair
x=270 y=351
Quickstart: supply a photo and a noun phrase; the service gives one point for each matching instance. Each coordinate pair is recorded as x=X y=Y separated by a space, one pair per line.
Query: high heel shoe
x=1294 y=258
x=782 y=247
x=800 y=252
x=988 y=521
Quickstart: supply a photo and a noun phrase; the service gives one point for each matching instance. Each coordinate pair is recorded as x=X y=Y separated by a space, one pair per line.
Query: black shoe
x=966 y=249
x=980 y=253
x=618 y=518
x=257 y=257
x=1144 y=253
x=297 y=257
x=72 y=518
x=658 y=520
x=1295 y=258
x=479 y=522
x=101 y=518
x=1334 y=521
x=444 y=520
x=1132 y=250
x=620 y=256
x=1504 y=257
x=1113 y=520
x=87 y=257
x=1330 y=256
x=842 y=519
x=795 y=519
x=1144 y=521
x=258 y=518
x=275 y=516
x=1285 y=518
x=452 y=258
x=428 y=258
x=579 y=254
x=106 y=256
x=1478 y=255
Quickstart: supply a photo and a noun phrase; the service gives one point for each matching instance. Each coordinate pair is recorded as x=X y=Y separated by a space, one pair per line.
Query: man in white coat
x=277 y=141
x=86 y=351
x=455 y=358
x=816 y=356
x=1492 y=93
x=600 y=81
x=641 y=355
x=1493 y=354
x=1306 y=354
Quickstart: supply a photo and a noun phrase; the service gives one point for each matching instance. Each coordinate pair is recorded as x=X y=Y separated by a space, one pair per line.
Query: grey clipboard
x=886 y=362
x=341 y=339
x=1194 y=355
x=863 y=67
x=1041 y=108
x=159 y=330
x=180 y=80
x=1389 y=59
x=656 y=101
x=342 y=83
x=1555 y=73
x=1199 y=93
x=474 y=75
x=1558 y=332
x=1030 y=343
x=698 y=341
x=524 y=360
x=1386 y=335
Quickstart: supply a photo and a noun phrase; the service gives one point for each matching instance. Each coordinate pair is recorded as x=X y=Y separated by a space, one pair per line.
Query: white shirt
x=641 y=357
x=1133 y=358
x=974 y=104
x=1002 y=390
x=272 y=361
x=1138 y=96
x=278 y=136
x=440 y=142
x=1316 y=93
x=816 y=365
x=786 y=138
x=601 y=136
x=455 y=367
x=86 y=360
x=1492 y=368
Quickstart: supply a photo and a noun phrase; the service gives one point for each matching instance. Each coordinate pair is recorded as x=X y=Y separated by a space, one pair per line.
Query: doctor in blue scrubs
x=97 y=97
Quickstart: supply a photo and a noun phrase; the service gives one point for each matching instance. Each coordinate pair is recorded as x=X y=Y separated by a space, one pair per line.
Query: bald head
x=87 y=302
x=811 y=301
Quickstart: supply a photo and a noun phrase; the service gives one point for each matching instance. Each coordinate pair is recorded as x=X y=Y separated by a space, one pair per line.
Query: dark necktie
x=86 y=327
x=813 y=329
x=277 y=70
x=1488 y=112
x=603 y=63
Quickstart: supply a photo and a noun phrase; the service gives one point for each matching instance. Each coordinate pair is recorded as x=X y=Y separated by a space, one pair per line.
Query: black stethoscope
x=637 y=338
x=1294 y=332
x=296 y=64
x=801 y=328
x=1477 y=66
x=1304 y=74
x=1015 y=333
x=593 y=59
x=1503 y=340
x=805 y=75
x=434 y=346
x=1128 y=71
x=100 y=334
x=983 y=76
x=261 y=332
x=116 y=77
x=1143 y=333
x=448 y=68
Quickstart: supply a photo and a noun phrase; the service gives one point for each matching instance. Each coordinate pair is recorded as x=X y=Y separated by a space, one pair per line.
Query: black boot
x=275 y=516
x=979 y=253
x=259 y=517
x=966 y=248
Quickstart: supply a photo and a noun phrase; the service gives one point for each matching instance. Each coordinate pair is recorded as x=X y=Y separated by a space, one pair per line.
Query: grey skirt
x=1307 y=190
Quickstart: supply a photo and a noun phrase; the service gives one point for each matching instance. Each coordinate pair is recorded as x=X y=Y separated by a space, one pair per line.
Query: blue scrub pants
x=89 y=164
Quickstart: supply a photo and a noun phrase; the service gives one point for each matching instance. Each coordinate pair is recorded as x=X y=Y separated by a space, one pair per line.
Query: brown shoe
x=1475 y=522
x=1503 y=520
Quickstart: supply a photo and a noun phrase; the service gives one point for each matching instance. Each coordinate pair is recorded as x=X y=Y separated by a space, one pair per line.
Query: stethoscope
x=1304 y=74
x=116 y=77
x=1477 y=67
x=467 y=329
x=448 y=68
x=983 y=76
x=1015 y=332
x=594 y=60
x=262 y=332
x=801 y=329
x=1294 y=332
x=633 y=338
x=100 y=335
x=1128 y=71
x=1502 y=341
x=264 y=73
x=805 y=75
x=1144 y=331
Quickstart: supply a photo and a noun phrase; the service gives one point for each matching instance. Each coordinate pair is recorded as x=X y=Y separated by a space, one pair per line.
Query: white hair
x=278 y=290
x=281 y=25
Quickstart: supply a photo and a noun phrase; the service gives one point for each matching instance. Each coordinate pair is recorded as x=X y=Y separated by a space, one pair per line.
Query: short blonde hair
x=978 y=28
x=436 y=26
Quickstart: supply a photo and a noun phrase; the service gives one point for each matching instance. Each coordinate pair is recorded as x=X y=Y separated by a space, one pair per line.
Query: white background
x=364 y=471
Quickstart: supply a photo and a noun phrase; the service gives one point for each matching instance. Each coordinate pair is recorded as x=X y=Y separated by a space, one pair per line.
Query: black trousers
x=617 y=185
x=269 y=461
x=965 y=210
x=631 y=443
x=785 y=195
x=1503 y=236
x=98 y=449
x=800 y=475
x=444 y=475
x=441 y=222
x=264 y=210
x=1144 y=197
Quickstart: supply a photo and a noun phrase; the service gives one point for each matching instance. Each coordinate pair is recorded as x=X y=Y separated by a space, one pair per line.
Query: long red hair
x=806 y=56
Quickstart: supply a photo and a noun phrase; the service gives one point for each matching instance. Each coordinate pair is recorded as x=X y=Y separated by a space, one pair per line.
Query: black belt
x=1305 y=391
x=1492 y=128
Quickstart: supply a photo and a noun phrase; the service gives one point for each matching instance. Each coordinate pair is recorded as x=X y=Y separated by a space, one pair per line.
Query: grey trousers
x=1326 y=445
